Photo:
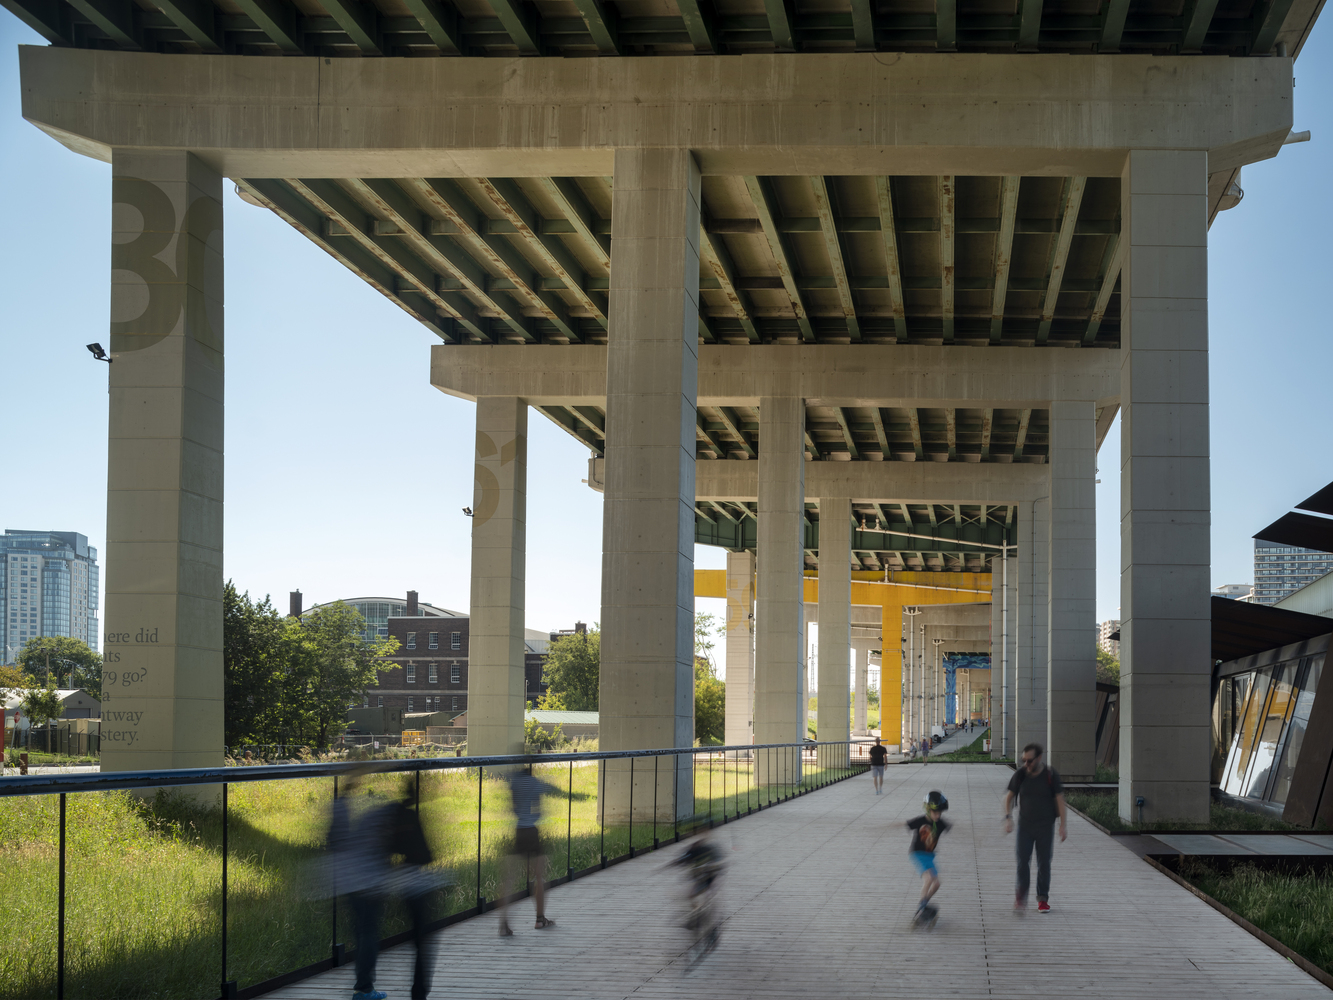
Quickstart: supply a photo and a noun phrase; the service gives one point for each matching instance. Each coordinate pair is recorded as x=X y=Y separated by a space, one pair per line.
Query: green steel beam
x=115 y=17
x=49 y=18
x=1004 y=253
x=1060 y=253
x=841 y=414
x=881 y=436
x=1113 y=25
x=575 y=428
x=884 y=197
x=951 y=433
x=195 y=18
x=1198 y=15
x=289 y=206
x=574 y=206
x=520 y=23
x=1022 y=439
x=946 y=25
x=738 y=534
x=947 y=191
x=699 y=26
x=987 y=427
x=732 y=424
x=833 y=244
x=1110 y=273
x=779 y=25
x=914 y=419
x=440 y=22
x=1268 y=20
x=713 y=442
x=602 y=25
x=863 y=25
x=719 y=261
x=275 y=19
x=360 y=21
x=766 y=205
x=1029 y=26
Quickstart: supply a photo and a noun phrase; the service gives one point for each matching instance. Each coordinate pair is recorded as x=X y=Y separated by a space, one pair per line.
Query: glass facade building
x=1260 y=714
x=49 y=584
x=378 y=610
x=1281 y=570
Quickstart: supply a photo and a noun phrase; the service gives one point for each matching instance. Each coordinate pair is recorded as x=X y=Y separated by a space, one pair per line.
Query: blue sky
x=346 y=472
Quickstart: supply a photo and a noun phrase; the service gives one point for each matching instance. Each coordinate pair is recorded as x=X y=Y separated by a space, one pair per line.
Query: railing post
x=631 y=807
x=710 y=791
x=657 y=759
x=601 y=801
x=481 y=896
x=569 y=827
x=675 y=797
x=60 y=918
x=333 y=944
x=224 y=889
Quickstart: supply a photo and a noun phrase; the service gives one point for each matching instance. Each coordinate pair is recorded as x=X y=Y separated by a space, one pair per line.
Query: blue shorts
x=924 y=861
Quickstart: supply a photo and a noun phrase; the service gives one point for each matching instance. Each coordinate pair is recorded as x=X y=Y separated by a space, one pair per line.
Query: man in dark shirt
x=1041 y=798
x=879 y=756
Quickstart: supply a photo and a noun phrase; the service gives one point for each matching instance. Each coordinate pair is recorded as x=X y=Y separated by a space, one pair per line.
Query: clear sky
x=346 y=472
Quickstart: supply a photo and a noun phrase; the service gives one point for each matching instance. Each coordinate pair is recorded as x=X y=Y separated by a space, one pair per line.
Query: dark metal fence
x=727 y=783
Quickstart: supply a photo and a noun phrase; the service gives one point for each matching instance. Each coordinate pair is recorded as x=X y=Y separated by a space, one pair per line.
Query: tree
x=1108 y=668
x=710 y=703
x=14 y=679
x=336 y=668
x=705 y=627
x=261 y=653
x=70 y=662
x=41 y=705
x=572 y=672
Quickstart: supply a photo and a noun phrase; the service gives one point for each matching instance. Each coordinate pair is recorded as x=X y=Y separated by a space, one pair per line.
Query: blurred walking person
x=1040 y=795
x=527 y=791
x=704 y=866
x=879 y=756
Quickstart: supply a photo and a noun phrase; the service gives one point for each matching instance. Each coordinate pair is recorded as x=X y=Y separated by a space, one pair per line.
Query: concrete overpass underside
x=855 y=291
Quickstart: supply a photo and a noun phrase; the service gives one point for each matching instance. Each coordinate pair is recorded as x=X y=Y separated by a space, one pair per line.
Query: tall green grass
x=144 y=882
x=1295 y=909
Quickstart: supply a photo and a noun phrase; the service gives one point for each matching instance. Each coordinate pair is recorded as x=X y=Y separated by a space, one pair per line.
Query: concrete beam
x=827 y=374
x=926 y=113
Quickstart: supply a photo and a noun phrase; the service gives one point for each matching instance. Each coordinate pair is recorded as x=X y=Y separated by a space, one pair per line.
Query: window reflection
x=1300 y=718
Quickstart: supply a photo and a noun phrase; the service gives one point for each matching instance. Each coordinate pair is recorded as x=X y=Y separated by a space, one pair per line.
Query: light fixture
x=467 y=511
x=98 y=353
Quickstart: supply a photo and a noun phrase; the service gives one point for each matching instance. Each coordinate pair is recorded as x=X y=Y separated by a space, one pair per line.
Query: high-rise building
x=48 y=586
x=1105 y=630
x=1280 y=570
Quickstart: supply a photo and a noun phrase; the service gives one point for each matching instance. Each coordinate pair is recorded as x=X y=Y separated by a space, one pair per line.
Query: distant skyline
x=347 y=472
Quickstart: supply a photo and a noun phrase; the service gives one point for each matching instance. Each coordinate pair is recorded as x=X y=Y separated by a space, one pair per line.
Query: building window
x=435 y=640
x=381 y=702
x=455 y=701
x=365 y=702
x=411 y=640
x=435 y=673
x=455 y=640
x=455 y=673
x=409 y=703
x=411 y=673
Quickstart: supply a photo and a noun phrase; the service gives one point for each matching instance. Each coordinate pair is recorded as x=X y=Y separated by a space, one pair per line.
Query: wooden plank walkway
x=818 y=899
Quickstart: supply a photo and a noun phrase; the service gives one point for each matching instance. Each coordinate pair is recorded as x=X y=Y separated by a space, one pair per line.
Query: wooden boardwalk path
x=818 y=899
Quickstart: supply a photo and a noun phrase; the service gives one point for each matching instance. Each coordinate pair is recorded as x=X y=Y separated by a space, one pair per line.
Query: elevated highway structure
x=850 y=291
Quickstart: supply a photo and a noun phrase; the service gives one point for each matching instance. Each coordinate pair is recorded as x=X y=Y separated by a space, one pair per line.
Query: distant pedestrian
x=926 y=832
x=527 y=790
x=925 y=749
x=1041 y=799
x=879 y=756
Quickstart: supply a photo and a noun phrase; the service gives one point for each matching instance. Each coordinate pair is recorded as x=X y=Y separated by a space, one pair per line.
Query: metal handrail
x=67 y=784
x=53 y=784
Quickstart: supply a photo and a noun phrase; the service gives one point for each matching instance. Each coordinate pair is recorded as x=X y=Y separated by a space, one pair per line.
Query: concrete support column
x=779 y=612
x=1071 y=682
x=163 y=620
x=861 y=671
x=1004 y=662
x=835 y=629
x=740 y=649
x=1165 y=654
x=893 y=727
x=499 y=560
x=647 y=672
x=1029 y=712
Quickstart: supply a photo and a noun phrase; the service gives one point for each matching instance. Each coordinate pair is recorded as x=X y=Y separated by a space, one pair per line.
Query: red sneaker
x=1043 y=906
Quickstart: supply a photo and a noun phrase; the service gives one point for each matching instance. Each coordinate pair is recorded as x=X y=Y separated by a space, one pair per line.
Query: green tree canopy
x=42 y=704
x=260 y=656
x=338 y=666
x=573 y=671
x=1108 y=668
x=67 y=661
x=710 y=704
x=14 y=679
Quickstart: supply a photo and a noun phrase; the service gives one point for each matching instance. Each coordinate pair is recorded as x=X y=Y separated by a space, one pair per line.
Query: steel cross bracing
x=922 y=537
x=354 y=28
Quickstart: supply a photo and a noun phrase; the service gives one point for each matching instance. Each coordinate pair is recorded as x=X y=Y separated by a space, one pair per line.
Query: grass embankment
x=40 y=758
x=1104 y=808
x=143 y=882
x=1295 y=909
x=970 y=754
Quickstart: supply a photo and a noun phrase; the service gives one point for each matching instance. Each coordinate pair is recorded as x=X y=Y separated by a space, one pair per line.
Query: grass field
x=1295 y=909
x=144 y=887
